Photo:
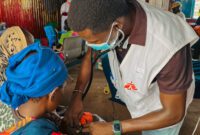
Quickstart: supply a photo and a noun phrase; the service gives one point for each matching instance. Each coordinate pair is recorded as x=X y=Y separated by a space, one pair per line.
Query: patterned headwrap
x=12 y=41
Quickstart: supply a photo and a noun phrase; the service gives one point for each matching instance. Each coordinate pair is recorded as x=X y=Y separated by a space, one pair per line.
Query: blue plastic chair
x=50 y=34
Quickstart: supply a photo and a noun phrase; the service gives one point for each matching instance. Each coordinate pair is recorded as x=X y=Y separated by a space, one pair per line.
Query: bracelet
x=79 y=91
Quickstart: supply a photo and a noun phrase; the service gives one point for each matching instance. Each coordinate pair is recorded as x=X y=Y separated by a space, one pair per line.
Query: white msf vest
x=166 y=34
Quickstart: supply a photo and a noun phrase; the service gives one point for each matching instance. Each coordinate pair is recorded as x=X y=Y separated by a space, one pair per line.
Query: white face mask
x=106 y=45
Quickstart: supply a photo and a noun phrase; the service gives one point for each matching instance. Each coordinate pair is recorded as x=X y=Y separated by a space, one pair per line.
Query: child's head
x=34 y=76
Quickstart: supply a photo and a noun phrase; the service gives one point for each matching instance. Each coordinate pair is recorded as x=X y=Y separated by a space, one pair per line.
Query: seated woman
x=33 y=88
x=13 y=40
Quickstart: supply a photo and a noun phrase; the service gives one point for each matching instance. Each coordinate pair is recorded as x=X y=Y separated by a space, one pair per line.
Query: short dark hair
x=97 y=15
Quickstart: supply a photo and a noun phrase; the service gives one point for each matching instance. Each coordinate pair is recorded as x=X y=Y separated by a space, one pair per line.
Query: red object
x=56 y=133
x=197 y=30
x=64 y=14
x=192 y=22
x=130 y=86
x=74 y=34
x=61 y=55
x=29 y=14
x=86 y=118
x=44 y=42
x=4 y=133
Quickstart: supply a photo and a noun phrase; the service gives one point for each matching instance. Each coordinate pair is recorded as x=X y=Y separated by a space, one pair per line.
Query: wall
x=164 y=4
x=30 y=14
x=188 y=7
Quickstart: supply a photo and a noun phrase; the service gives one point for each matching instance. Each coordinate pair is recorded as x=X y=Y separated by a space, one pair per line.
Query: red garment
x=44 y=42
x=56 y=133
x=61 y=55
x=197 y=30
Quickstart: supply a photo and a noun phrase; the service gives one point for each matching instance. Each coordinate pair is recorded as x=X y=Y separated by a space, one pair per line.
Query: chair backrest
x=74 y=47
x=50 y=34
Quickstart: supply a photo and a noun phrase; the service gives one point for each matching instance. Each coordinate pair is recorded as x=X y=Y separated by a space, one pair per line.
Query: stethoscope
x=93 y=62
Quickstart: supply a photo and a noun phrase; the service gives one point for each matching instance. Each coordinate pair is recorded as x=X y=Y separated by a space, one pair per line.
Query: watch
x=117 y=127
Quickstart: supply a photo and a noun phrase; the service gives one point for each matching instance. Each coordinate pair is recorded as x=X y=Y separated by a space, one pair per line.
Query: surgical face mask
x=108 y=44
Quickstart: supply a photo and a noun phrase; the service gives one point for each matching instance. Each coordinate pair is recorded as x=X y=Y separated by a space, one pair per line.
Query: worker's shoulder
x=168 y=28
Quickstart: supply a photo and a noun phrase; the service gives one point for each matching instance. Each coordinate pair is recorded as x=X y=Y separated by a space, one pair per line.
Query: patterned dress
x=7 y=117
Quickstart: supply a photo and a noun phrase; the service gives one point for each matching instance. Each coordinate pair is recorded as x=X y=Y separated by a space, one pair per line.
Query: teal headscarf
x=32 y=75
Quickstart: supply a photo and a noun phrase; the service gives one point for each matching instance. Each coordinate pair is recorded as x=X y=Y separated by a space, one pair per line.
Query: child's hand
x=98 y=128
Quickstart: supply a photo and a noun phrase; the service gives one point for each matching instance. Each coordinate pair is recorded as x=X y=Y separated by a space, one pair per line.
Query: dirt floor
x=98 y=102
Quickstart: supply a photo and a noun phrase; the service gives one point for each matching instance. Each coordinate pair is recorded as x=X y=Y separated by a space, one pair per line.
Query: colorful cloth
x=23 y=122
x=67 y=35
x=11 y=42
x=33 y=76
x=17 y=126
x=7 y=117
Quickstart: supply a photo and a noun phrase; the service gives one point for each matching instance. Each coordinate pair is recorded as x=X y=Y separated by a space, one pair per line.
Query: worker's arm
x=85 y=72
x=75 y=109
x=172 y=112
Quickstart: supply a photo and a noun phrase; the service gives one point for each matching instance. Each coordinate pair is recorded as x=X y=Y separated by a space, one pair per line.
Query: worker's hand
x=75 y=110
x=98 y=128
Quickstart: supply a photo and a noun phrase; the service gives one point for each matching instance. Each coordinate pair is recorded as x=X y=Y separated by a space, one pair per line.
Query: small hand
x=98 y=128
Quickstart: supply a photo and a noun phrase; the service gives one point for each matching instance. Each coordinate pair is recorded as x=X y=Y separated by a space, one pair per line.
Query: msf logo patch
x=130 y=86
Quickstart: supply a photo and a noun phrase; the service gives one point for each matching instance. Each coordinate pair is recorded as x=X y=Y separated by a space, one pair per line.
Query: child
x=33 y=88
